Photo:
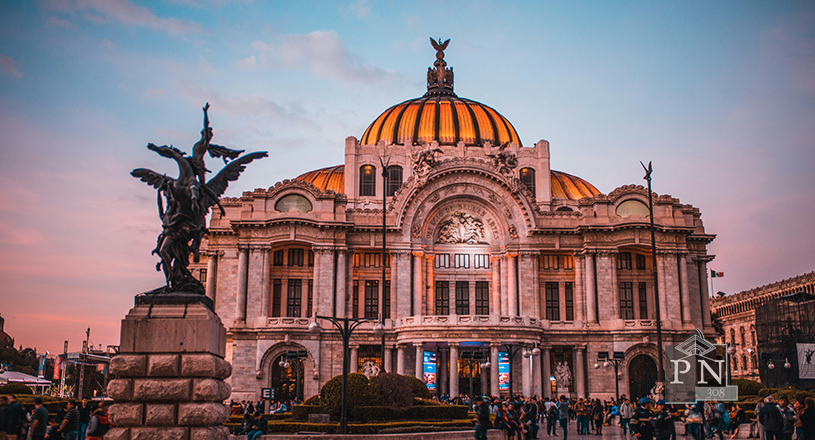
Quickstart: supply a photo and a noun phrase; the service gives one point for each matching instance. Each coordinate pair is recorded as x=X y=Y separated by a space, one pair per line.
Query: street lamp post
x=731 y=351
x=346 y=326
x=512 y=349
x=615 y=362
x=384 y=250
x=472 y=358
x=661 y=370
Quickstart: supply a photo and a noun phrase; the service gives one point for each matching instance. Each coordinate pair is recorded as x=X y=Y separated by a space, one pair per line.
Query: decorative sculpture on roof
x=424 y=159
x=504 y=160
x=439 y=78
x=188 y=200
x=462 y=228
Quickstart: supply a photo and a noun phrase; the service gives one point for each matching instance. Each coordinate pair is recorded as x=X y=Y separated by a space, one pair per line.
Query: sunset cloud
x=8 y=65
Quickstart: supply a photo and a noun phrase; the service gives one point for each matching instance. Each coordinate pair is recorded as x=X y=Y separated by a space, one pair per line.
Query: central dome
x=441 y=116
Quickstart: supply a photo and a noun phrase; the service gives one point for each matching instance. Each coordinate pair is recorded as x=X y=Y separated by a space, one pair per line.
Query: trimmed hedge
x=372 y=428
x=392 y=390
x=15 y=388
x=367 y=413
x=418 y=387
x=360 y=392
x=747 y=387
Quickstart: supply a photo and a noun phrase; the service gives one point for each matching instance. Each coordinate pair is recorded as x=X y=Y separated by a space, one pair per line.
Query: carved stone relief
x=462 y=228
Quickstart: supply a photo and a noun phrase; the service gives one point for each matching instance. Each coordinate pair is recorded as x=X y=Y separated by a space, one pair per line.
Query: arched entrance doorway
x=642 y=376
x=287 y=383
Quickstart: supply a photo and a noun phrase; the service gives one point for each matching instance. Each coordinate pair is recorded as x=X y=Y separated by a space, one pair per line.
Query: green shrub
x=313 y=400
x=15 y=388
x=768 y=391
x=301 y=412
x=372 y=428
x=425 y=402
x=392 y=390
x=418 y=387
x=747 y=387
x=360 y=393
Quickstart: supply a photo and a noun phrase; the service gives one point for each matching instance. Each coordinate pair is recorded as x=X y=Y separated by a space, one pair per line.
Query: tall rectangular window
x=462 y=261
x=277 y=292
x=482 y=298
x=442 y=261
x=569 y=298
x=367 y=180
x=310 y=258
x=550 y=262
x=277 y=257
x=394 y=179
x=624 y=261
x=442 y=298
x=296 y=257
x=462 y=297
x=528 y=179
x=481 y=261
x=568 y=262
x=387 y=297
x=310 y=300
x=626 y=300
x=355 y=299
x=552 y=296
x=371 y=300
x=640 y=262
x=202 y=276
x=643 y=301
x=294 y=298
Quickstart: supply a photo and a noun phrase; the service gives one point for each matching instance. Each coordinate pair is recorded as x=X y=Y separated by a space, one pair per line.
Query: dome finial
x=439 y=77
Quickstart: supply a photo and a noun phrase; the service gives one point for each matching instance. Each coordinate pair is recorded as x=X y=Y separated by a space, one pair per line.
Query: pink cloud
x=57 y=22
x=8 y=65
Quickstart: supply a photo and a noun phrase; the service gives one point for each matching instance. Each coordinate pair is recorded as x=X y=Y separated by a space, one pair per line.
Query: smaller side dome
x=566 y=186
x=329 y=178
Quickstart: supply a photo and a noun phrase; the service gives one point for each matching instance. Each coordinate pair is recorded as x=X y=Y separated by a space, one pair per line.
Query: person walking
x=737 y=417
x=597 y=416
x=626 y=411
x=770 y=417
x=641 y=421
x=664 y=422
x=759 y=427
x=39 y=420
x=808 y=419
x=84 y=418
x=580 y=411
x=788 y=415
x=563 y=415
x=70 y=424
x=483 y=419
x=552 y=417
x=96 y=425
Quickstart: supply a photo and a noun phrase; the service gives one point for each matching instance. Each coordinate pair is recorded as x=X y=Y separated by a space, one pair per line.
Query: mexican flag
x=714 y=274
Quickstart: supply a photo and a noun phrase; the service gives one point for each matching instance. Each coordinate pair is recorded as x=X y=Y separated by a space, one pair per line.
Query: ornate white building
x=486 y=246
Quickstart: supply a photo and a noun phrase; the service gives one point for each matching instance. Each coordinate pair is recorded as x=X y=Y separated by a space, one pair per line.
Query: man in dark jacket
x=770 y=417
x=664 y=422
x=483 y=420
x=641 y=422
x=260 y=426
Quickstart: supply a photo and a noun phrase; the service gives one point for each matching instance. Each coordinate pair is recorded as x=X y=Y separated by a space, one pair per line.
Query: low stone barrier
x=492 y=434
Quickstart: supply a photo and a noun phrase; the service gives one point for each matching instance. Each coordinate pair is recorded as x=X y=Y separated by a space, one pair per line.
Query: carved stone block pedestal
x=170 y=370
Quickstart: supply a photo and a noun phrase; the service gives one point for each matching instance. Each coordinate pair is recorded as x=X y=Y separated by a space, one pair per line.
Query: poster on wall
x=430 y=370
x=503 y=370
x=806 y=361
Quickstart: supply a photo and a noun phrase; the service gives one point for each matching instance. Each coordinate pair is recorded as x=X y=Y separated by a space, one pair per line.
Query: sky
x=719 y=95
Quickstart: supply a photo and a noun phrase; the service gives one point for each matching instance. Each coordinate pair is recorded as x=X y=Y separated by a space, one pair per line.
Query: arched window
x=744 y=362
x=743 y=340
x=394 y=179
x=732 y=337
x=528 y=179
x=367 y=180
x=753 y=332
x=753 y=361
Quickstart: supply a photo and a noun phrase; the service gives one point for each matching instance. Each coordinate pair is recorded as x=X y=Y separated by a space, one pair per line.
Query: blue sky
x=720 y=95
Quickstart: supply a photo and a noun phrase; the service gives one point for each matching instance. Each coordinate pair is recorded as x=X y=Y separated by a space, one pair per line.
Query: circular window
x=293 y=202
x=632 y=207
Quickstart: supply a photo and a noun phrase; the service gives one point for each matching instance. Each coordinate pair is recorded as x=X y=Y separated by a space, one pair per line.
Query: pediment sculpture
x=462 y=228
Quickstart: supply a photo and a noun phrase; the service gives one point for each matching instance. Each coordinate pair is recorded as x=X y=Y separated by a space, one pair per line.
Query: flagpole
x=712 y=293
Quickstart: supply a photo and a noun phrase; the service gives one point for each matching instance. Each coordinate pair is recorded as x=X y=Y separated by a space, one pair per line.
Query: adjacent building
x=489 y=252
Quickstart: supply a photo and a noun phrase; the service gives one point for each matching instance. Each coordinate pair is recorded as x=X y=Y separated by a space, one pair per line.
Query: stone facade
x=480 y=253
x=737 y=313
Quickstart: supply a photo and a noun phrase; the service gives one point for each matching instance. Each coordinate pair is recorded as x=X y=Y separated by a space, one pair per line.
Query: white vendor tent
x=17 y=377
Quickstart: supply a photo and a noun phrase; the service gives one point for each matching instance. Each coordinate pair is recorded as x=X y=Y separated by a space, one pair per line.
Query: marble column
x=388 y=366
x=704 y=295
x=349 y=283
x=526 y=373
x=401 y=296
x=512 y=291
x=354 y=361
x=419 y=360
x=340 y=300
x=265 y=284
x=400 y=359
x=453 y=370
x=495 y=294
x=418 y=259
x=254 y=284
x=537 y=385
x=212 y=269
x=579 y=290
x=243 y=270
x=441 y=368
x=580 y=371
x=536 y=289
x=547 y=371
x=683 y=284
x=663 y=290
x=526 y=285
x=494 y=360
x=430 y=289
x=591 y=298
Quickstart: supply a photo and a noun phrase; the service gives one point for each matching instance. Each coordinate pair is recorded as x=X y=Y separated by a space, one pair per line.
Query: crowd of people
x=71 y=421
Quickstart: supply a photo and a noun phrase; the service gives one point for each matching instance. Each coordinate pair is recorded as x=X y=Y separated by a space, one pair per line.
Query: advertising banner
x=57 y=367
x=806 y=361
x=430 y=370
x=503 y=370
x=41 y=370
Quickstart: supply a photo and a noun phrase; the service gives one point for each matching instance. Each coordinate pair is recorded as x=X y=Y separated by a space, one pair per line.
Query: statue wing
x=230 y=173
x=171 y=151
x=216 y=151
x=435 y=44
x=444 y=45
x=151 y=177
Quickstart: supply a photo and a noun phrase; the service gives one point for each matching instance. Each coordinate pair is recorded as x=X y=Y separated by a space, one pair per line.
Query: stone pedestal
x=562 y=392
x=170 y=370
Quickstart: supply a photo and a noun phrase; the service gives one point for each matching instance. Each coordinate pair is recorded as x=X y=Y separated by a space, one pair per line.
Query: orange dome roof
x=564 y=186
x=444 y=118
x=330 y=178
